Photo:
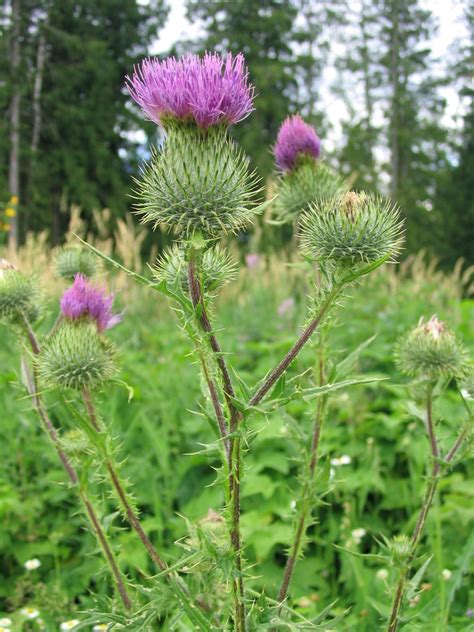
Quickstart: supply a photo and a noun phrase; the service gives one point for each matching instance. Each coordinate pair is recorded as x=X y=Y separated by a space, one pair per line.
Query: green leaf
x=317 y=391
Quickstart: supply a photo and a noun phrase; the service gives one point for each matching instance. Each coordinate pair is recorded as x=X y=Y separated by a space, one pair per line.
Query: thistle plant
x=302 y=177
x=432 y=355
x=198 y=185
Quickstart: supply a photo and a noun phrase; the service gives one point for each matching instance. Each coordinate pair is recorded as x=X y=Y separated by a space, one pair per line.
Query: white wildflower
x=382 y=574
x=29 y=613
x=446 y=573
x=69 y=625
x=5 y=622
x=32 y=565
x=358 y=534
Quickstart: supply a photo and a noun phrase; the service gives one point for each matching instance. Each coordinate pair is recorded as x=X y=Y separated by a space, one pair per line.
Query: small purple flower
x=470 y=613
x=295 y=138
x=252 y=260
x=209 y=90
x=286 y=306
x=85 y=299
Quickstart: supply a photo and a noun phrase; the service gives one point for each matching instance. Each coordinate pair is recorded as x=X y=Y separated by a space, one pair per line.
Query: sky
x=448 y=14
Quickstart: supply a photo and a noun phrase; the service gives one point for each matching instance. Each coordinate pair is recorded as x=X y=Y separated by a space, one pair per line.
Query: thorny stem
x=134 y=521
x=305 y=499
x=425 y=507
x=295 y=349
x=32 y=386
x=234 y=450
x=129 y=511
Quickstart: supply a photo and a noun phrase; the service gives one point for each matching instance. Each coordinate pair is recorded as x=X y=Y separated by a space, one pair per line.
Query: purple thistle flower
x=295 y=138
x=85 y=299
x=211 y=90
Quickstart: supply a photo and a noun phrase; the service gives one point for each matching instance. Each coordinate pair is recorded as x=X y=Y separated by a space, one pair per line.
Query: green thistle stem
x=234 y=453
x=32 y=381
x=305 y=497
x=425 y=508
x=132 y=518
x=278 y=371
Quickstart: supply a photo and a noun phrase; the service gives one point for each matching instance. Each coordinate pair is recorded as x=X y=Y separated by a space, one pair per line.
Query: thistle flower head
x=77 y=357
x=217 y=268
x=430 y=351
x=19 y=294
x=84 y=300
x=209 y=90
x=351 y=230
x=295 y=139
x=400 y=548
x=72 y=260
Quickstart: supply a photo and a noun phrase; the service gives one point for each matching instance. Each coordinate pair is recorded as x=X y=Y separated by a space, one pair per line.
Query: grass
x=162 y=440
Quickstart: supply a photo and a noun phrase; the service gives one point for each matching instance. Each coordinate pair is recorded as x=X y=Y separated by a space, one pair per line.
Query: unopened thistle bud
x=303 y=177
x=351 y=230
x=216 y=269
x=19 y=294
x=400 y=548
x=73 y=260
x=430 y=351
x=200 y=180
x=76 y=357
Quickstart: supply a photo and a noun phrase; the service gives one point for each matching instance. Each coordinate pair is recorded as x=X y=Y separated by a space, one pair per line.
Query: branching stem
x=32 y=385
x=425 y=507
x=234 y=445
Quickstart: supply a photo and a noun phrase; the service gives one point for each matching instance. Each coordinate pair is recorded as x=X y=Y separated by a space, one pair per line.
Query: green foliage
x=379 y=489
x=198 y=182
x=76 y=356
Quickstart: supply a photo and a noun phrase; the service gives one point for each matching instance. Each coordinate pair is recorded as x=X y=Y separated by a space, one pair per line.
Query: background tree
x=74 y=142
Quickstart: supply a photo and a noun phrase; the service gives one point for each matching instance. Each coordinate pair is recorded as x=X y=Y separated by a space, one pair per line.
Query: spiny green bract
x=215 y=268
x=73 y=260
x=431 y=351
x=19 y=296
x=310 y=181
x=199 y=181
x=351 y=229
x=76 y=356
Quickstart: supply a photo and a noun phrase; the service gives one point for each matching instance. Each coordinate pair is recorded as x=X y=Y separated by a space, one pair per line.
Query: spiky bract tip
x=352 y=230
x=76 y=357
x=199 y=182
x=216 y=268
x=72 y=260
x=309 y=182
x=20 y=296
x=430 y=351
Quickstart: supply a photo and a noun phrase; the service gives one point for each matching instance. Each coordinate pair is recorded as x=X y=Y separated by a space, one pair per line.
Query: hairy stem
x=295 y=349
x=425 y=508
x=234 y=446
x=32 y=386
x=305 y=498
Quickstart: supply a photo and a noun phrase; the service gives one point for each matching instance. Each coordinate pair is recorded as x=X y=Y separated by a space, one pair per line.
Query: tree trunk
x=394 y=73
x=37 y=113
x=14 y=163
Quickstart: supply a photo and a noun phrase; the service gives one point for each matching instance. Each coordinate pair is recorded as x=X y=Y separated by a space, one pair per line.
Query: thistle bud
x=303 y=177
x=76 y=357
x=73 y=260
x=75 y=442
x=351 y=230
x=19 y=294
x=216 y=269
x=400 y=548
x=430 y=351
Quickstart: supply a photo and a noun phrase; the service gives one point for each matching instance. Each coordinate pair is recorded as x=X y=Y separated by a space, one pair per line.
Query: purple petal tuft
x=294 y=139
x=211 y=90
x=85 y=299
